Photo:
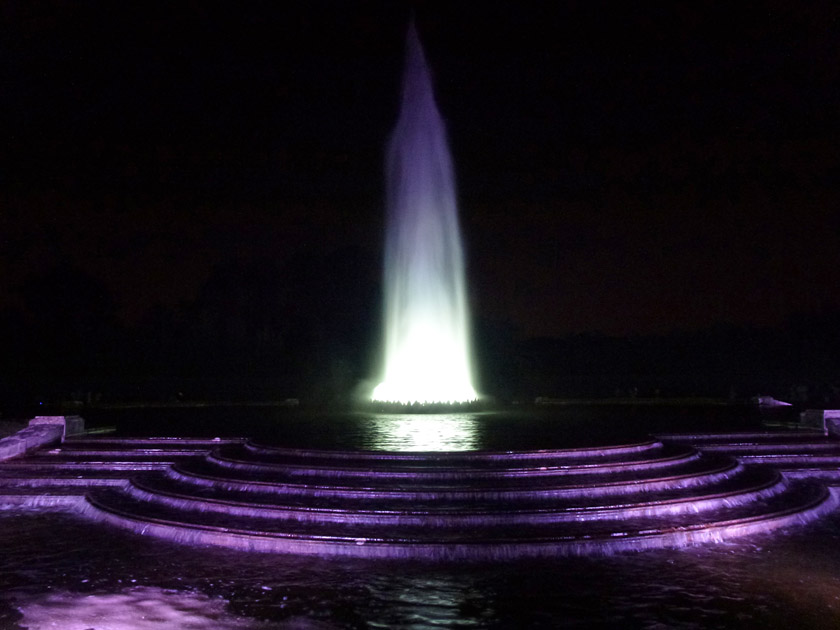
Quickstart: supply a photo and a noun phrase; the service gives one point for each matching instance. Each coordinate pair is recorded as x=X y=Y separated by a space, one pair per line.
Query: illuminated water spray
x=427 y=349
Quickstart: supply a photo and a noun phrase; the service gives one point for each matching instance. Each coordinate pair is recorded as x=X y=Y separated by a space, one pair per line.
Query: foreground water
x=57 y=571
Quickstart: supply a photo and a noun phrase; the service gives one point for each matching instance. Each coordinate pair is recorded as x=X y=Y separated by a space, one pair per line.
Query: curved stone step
x=742 y=479
x=743 y=436
x=797 y=504
x=59 y=459
x=783 y=460
x=42 y=468
x=435 y=471
x=690 y=474
x=475 y=505
x=785 y=450
x=453 y=458
x=811 y=447
x=114 y=453
x=758 y=485
x=112 y=443
x=790 y=496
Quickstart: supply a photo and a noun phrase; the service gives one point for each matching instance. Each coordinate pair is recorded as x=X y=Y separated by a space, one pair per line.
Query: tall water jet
x=427 y=340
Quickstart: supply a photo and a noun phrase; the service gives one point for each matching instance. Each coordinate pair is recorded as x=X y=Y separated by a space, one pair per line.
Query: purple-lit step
x=750 y=487
x=802 y=450
x=686 y=460
x=312 y=457
x=59 y=458
x=663 y=458
x=789 y=497
x=177 y=443
x=798 y=504
x=47 y=462
x=822 y=447
x=802 y=444
x=46 y=482
x=750 y=479
x=113 y=453
x=824 y=474
x=342 y=460
x=39 y=467
x=692 y=473
x=787 y=461
x=747 y=437
x=440 y=505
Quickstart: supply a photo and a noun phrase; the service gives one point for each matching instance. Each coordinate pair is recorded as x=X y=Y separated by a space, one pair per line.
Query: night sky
x=622 y=167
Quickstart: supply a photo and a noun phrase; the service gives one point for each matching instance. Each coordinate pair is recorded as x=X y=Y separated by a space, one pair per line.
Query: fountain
x=427 y=349
x=446 y=498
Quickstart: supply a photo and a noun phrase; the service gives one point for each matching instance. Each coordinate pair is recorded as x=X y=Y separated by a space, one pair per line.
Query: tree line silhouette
x=310 y=328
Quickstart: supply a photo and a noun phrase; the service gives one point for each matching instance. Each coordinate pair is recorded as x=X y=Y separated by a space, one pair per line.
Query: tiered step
x=83 y=462
x=801 y=454
x=458 y=505
x=426 y=507
x=468 y=505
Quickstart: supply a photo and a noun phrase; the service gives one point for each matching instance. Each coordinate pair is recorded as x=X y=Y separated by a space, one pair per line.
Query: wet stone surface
x=777 y=581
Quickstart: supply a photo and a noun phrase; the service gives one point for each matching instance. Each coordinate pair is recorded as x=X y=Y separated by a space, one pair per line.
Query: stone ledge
x=71 y=425
x=42 y=431
x=30 y=439
x=826 y=420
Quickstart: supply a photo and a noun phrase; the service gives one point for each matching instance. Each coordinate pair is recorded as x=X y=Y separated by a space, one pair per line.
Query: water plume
x=427 y=348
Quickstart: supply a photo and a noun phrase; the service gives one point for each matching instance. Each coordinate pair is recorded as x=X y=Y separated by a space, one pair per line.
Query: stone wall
x=42 y=431
x=826 y=420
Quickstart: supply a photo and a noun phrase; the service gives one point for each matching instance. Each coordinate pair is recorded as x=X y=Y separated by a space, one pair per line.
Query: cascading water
x=427 y=349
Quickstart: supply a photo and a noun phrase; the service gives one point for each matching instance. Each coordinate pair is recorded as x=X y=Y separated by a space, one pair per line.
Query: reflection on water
x=511 y=428
x=56 y=570
x=422 y=432
x=137 y=608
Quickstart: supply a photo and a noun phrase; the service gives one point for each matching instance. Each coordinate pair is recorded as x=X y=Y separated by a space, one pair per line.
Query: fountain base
x=427 y=408
x=475 y=505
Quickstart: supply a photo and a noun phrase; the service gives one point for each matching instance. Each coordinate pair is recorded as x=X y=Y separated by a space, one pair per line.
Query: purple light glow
x=471 y=505
x=138 y=608
x=427 y=350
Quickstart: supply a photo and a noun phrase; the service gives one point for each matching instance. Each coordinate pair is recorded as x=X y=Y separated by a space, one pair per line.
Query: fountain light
x=427 y=340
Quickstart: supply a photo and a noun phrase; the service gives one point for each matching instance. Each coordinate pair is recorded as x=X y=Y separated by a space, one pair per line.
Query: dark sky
x=622 y=168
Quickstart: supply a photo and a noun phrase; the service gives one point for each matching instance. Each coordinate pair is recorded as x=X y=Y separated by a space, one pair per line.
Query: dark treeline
x=260 y=329
x=797 y=362
x=310 y=328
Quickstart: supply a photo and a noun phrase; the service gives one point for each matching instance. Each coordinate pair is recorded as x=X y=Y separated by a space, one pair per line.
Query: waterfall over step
x=669 y=491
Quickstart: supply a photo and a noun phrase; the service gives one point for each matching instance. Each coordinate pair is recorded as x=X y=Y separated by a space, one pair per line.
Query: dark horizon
x=624 y=172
